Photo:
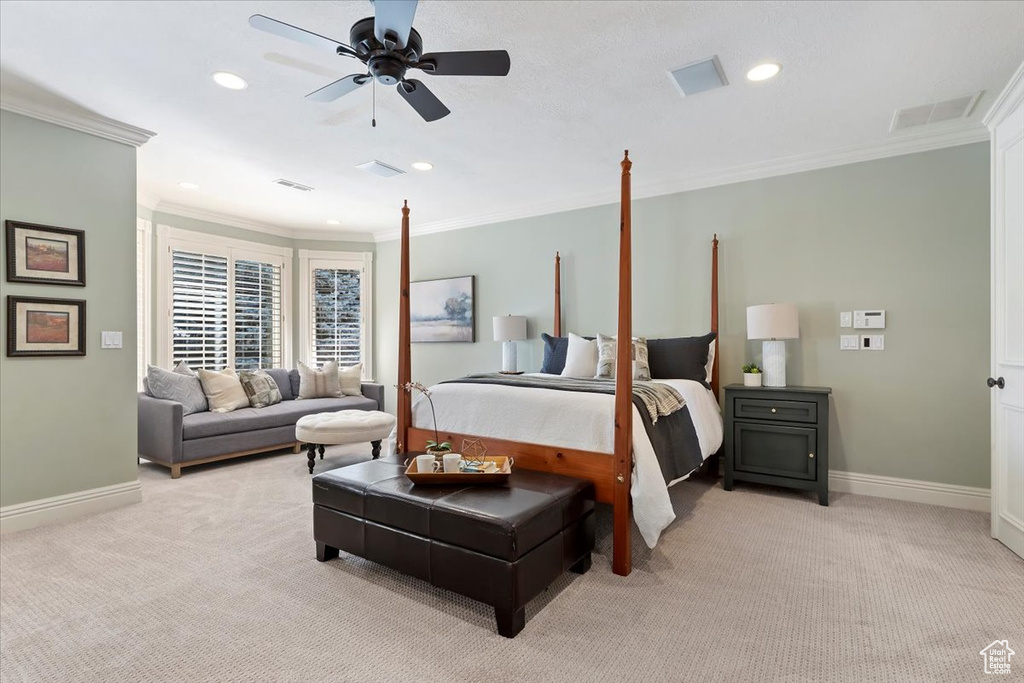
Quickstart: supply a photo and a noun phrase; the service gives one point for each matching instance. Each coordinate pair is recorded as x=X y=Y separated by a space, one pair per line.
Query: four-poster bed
x=610 y=469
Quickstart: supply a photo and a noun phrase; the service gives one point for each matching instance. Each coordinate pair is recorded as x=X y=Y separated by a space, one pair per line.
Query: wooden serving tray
x=442 y=478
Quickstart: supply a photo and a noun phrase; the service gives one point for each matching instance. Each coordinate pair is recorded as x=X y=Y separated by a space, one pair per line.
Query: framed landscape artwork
x=442 y=310
x=44 y=254
x=45 y=327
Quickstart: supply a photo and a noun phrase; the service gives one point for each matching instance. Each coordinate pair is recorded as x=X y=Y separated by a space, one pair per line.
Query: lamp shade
x=509 y=327
x=772 y=321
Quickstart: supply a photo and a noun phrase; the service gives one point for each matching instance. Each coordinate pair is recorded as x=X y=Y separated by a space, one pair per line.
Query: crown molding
x=147 y=200
x=257 y=226
x=896 y=145
x=76 y=119
x=1011 y=96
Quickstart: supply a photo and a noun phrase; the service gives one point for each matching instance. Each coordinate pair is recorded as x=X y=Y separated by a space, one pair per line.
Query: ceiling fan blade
x=470 y=63
x=339 y=88
x=393 y=17
x=279 y=28
x=422 y=100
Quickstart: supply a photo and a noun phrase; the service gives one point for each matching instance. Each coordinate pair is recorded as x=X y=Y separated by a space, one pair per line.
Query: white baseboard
x=913 y=490
x=69 y=506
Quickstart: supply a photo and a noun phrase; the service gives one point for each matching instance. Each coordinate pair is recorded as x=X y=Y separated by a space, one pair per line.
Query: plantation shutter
x=257 y=315
x=199 y=309
x=337 y=315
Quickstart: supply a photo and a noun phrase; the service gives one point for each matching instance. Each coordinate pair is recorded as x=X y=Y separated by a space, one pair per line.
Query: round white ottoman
x=342 y=427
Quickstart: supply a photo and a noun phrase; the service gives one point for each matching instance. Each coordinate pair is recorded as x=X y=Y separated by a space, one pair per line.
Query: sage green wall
x=221 y=230
x=908 y=234
x=68 y=424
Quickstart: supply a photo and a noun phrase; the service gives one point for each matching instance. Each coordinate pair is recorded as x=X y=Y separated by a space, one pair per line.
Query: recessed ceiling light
x=188 y=186
x=762 y=72
x=422 y=165
x=333 y=221
x=229 y=80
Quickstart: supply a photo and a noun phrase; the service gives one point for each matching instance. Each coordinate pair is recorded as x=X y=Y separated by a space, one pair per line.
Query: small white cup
x=426 y=463
x=451 y=462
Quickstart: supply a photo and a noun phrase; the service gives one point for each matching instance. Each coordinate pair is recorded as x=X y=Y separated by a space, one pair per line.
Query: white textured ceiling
x=588 y=79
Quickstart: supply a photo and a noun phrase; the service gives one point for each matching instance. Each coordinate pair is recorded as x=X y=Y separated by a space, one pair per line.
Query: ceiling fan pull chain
x=374 y=120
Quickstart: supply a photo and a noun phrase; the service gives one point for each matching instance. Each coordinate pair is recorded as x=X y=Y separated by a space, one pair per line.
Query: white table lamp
x=508 y=329
x=773 y=323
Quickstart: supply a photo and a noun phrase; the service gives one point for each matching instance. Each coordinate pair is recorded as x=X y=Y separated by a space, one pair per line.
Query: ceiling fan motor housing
x=386 y=63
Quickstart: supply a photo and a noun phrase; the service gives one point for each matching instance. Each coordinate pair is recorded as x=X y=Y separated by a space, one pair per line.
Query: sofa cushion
x=201 y=425
x=284 y=382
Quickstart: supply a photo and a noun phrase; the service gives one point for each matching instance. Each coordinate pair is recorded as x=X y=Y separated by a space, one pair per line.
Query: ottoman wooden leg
x=510 y=621
x=325 y=552
x=582 y=566
x=311 y=455
x=376 y=448
x=321 y=449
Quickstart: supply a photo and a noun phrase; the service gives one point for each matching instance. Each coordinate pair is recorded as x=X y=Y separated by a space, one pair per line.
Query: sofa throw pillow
x=580 y=357
x=606 y=353
x=176 y=386
x=260 y=388
x=322 y=383
x=555 y=349
x=223 y=390
x=351 y=380
x=681 y=358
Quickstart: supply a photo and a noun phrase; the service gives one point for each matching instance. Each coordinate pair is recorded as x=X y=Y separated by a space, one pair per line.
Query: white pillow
x=580 y=358
x=223 y=390
x=322 y=383
x=351 y=380
x=711 y=359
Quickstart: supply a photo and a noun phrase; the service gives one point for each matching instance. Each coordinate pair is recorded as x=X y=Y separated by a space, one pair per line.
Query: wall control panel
x=111 y=340
x=869 y=320
x=872 y=342
x=846 y=319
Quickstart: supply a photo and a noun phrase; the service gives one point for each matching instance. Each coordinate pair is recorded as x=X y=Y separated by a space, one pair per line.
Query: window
x=336 y=322
x=226 y=302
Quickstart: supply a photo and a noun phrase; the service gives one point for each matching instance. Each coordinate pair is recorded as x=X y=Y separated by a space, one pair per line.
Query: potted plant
x=436 y=446
x=751 y=375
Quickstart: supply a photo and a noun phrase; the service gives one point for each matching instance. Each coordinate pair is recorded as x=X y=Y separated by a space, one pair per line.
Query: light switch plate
x=849 y=342
x=869 y=320
x=872 y=342
x=846 y=319
x=111 y=340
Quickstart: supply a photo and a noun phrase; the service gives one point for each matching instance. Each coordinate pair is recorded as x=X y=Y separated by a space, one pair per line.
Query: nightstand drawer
x=781 y=411
x=776 y=450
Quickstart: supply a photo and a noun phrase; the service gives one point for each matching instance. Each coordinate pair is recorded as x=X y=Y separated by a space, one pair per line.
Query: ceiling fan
x=389 y=46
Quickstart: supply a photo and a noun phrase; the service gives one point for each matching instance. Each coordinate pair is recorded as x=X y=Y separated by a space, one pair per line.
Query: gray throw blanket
x=674 y=438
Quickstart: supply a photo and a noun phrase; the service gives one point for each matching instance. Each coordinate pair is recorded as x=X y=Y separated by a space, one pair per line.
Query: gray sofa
x=174 y=440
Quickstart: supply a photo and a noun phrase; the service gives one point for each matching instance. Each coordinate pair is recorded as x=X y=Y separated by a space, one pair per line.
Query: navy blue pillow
x=679 y=358
x=555 y=350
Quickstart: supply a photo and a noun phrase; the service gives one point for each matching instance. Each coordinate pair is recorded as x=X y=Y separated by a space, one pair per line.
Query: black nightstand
x=777 y=436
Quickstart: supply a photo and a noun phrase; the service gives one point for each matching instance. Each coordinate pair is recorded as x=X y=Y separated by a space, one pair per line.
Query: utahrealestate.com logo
x=997 y=657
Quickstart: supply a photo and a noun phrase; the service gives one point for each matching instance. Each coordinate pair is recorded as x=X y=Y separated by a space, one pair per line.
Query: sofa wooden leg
x=175 y=471
x=325 y=552
x=297 y=447
x=510 y=621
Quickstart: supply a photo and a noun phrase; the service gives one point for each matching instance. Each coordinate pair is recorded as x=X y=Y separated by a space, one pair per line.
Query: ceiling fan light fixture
x=228 y=80
x=185 y=185
x=422 y=165
x=762 y=72
x=333 y=221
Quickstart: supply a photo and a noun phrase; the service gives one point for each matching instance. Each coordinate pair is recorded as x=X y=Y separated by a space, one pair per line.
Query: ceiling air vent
x=704 y=75
x=380 y=168
x=293 y=185
x=946 y=110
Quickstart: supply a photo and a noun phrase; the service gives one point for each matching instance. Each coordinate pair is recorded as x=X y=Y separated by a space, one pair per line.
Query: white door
x=1007 y=380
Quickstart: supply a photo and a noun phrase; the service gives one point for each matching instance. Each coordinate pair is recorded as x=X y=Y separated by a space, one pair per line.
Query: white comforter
x=570 y=419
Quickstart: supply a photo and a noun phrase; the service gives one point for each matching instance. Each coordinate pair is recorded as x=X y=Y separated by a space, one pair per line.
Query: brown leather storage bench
x=501 y=545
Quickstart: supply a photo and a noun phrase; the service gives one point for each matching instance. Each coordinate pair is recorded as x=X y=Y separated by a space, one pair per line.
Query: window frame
x=170 y=238
x=310 y=260
x=143 y=296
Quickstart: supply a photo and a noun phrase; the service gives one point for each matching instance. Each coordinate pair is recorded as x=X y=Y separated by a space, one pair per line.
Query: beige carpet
x=212 y=578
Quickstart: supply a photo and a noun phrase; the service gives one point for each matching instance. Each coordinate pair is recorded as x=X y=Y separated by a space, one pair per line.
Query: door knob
x=995 y=382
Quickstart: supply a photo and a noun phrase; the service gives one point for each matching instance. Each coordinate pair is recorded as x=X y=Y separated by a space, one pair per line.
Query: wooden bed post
x=714 y=316
x=404 y=403
x=558 y=296
x=622 y=562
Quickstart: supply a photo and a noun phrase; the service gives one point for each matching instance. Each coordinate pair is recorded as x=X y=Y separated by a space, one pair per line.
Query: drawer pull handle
x=774 y=411
x=811 y=455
